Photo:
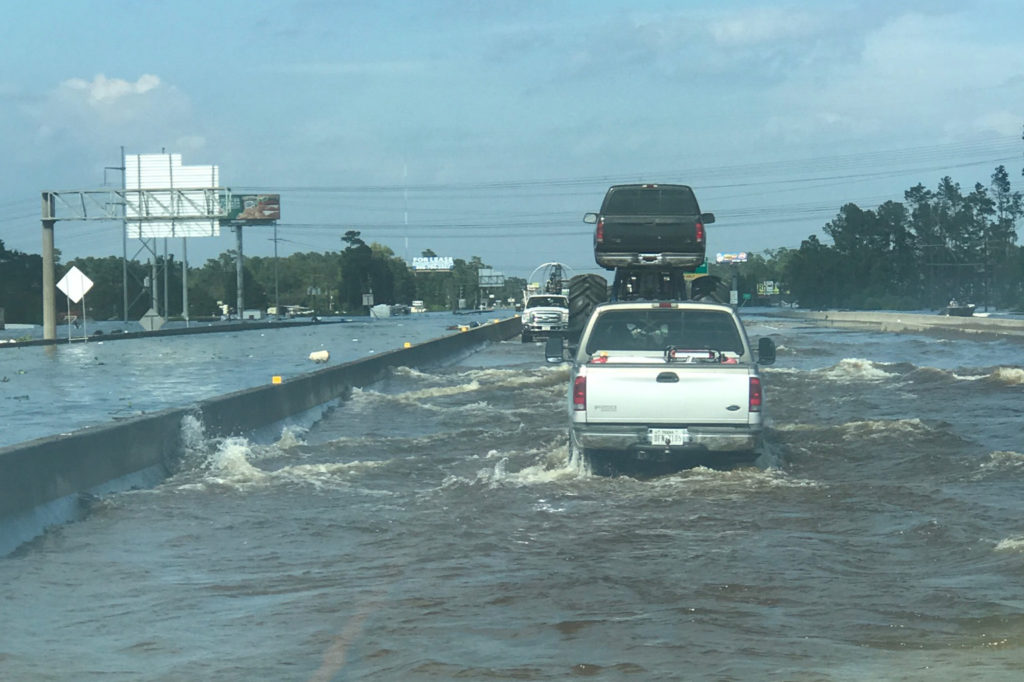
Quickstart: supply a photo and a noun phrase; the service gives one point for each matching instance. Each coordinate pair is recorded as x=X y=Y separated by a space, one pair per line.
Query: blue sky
x=489 y=128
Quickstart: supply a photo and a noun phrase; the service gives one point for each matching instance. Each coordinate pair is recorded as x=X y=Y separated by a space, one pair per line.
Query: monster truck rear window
x=651 y=201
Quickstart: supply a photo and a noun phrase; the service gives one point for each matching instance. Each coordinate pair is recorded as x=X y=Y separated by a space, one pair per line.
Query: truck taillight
x=579 y=393
x=599 y=232
x=756 y=395
x=700 y=231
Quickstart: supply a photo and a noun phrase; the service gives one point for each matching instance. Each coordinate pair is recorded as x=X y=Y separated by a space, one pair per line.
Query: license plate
x=668 y=436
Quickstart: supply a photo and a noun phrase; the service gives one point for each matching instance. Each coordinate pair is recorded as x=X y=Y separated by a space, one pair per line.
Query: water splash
x=850 y=370
x=1009 y=376
x=1010 y=545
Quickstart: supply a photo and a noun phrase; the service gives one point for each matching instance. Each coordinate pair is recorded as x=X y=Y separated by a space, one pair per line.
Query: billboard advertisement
x=433 y=264
x=254 y=208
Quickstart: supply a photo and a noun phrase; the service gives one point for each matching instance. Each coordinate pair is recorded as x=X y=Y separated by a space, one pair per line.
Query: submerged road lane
x=431 y=527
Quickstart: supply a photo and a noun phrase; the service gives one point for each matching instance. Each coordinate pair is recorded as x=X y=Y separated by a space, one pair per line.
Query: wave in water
x=850 y=370
x=1010 y=545
x=233 y=462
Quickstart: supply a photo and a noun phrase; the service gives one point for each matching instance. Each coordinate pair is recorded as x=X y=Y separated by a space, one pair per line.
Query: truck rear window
x=650 y=201
x=657 y=329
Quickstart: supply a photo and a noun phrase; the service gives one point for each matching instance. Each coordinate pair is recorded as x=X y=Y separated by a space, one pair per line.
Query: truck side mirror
x=765 y=351
x=707 y=218
x=590 y=218
x=554 y=349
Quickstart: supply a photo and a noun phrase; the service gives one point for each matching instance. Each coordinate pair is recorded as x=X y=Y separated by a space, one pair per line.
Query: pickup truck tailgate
x=667 y=393
x=648 y=234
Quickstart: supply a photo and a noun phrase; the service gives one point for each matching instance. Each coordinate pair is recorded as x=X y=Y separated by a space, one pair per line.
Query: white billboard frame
x=164 y=198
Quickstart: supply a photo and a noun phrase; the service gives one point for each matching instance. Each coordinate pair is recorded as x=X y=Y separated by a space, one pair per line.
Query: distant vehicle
x=664 y=384
x=290 y=311
x=544 y=314
x=957 y=309
x=383 y=310
x=650 y=225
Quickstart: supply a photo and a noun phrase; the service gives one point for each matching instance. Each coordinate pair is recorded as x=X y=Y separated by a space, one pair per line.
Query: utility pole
x=277 y=297
x=167 y=304
x=184 y=279
x=238 y=270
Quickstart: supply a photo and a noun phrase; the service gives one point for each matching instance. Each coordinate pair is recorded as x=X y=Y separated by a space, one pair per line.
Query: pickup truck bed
x=666 y=382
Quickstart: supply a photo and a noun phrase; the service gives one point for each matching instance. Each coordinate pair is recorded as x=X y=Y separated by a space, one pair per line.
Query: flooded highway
x=432 y=528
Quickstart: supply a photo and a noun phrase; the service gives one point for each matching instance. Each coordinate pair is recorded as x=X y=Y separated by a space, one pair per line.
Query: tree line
x=327 y=283
x=934 y=246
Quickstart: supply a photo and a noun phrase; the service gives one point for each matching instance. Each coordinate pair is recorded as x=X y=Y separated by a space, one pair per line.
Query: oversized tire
x=599 y=462
x=711 y=288
x=585 y=292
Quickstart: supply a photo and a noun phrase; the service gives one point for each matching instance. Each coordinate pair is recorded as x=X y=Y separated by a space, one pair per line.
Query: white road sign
x=74 y=284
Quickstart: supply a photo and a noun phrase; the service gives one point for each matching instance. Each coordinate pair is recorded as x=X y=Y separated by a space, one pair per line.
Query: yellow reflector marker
x=408 y=345
x=276 y=379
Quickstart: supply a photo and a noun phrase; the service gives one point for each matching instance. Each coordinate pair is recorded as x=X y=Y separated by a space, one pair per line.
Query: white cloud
x=103 y=102
x=91 y=117
x=107 y=90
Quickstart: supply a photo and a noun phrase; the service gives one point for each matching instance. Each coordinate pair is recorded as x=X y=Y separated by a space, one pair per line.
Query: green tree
x=21 y=288
x=811 y=275
x=355 y=271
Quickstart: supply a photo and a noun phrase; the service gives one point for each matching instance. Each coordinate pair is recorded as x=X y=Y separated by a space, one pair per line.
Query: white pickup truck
x=664 y=384
x=544 y=314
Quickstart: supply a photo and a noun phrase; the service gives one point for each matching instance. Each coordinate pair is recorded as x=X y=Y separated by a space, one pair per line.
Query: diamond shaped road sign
x=74 y=284
x=151 y=321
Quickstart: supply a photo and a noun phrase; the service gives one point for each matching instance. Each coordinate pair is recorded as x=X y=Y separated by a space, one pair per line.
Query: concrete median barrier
x=42 y=481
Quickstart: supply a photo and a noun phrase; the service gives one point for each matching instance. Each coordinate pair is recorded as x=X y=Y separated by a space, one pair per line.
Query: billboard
x=253 y=208
x=728 y=258
x=487 y=278
x=164 y=198
x=433 y=263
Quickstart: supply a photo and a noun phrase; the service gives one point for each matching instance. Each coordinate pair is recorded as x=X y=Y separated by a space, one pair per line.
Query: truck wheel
x=709 y=287
x=598 y=462
x=585 y=292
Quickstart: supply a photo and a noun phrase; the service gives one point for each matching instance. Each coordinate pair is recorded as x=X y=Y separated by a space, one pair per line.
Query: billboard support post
x=49 y=279
x=184 y=279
